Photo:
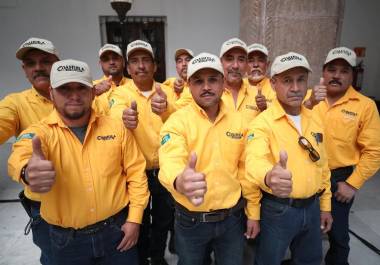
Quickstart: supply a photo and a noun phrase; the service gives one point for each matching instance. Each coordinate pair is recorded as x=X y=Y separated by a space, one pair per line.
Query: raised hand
x=159 y=102
x=279 y=179
x=131 y=116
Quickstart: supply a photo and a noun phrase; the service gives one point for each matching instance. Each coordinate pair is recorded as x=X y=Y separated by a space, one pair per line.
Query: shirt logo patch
x=25 y=136
x=250 y=136
x=318 y=137
x=234 y=135
x=111 y=103
x=165 y=139
x=251 y=107
x=349 y=113
x=106 y=137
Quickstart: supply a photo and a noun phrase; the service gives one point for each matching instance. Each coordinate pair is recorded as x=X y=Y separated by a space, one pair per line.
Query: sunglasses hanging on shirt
x=305 y=144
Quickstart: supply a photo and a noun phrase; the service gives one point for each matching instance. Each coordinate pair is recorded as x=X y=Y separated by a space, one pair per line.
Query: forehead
x=140 y=53
x=235 y=52
x=183 y=55
x=72 y=85
x=205 y=73
x=294 y=73
x=339 y=63
x=257 y=54
x=36 y=54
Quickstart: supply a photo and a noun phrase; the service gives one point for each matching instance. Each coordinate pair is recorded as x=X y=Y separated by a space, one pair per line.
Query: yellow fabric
x=185 y=98
x=245 y=104
x=17 y=112
x=352 y=128
x=266 y=89
x=220 y=150
x=103 y=102
x=271 y=132
x=93 y=181
x=148 y=129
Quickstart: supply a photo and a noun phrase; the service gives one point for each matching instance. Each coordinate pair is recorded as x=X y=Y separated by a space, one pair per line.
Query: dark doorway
x=150 y=29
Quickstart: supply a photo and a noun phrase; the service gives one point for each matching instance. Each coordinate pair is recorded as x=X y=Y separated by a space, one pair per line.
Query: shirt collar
x=203 y=114
x=55 y=118
x=279 y=112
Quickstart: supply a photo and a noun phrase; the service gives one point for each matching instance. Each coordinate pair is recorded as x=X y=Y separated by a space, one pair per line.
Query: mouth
x=335 y=83
x=207 y=95
x=256 y=73
x=41 y=77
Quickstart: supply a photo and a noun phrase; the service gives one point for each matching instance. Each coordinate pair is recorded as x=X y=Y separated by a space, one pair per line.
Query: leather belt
x=296 y=203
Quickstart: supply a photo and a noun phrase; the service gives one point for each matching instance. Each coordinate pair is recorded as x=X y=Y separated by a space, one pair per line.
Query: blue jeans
x=40 y=232
x=283 y=226
x=338 y=235
x=194 y=239
x=71 y=247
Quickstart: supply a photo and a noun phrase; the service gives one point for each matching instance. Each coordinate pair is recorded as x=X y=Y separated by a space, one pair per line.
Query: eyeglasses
x=305 y=144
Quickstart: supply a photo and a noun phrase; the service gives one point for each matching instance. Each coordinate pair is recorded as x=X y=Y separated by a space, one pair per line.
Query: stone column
x=309 y=27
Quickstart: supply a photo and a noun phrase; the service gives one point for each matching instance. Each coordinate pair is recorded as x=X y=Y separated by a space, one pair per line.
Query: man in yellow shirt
x=93 y=203
x=112 y=62
x=202 y=166
x=286 y=159
x=237 y=95
x=144 y=104
x=258 y=64
x=352 y=127
x=179 y=84
x=19 y=110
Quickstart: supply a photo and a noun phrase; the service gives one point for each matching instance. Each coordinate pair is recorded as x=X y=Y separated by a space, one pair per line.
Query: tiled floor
x=17 y=249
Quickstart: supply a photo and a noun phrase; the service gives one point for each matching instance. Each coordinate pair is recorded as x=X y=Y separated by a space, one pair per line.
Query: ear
x=51 y=93
x=93 y=92
x=155 y=67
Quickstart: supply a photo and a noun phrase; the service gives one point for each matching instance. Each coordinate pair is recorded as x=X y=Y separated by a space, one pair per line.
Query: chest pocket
x=344 y=129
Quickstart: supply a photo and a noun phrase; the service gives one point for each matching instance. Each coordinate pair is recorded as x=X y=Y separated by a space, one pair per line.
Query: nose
x=294 y=86
x=235 y=64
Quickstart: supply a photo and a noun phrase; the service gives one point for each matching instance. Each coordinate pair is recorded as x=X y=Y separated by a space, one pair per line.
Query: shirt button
x=89 y=189
x=92 y=210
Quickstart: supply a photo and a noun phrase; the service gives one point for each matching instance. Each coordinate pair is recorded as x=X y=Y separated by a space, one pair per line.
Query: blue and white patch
x=111 y=103
x=25 y=136
x=165 y=139
x=250 y=136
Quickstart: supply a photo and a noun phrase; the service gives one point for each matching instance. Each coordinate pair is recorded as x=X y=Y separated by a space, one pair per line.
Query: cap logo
x=33 y=42
x=139 y=43
x=234 y=42
x=291 y=58
x=203 y=60
x=70 y=68
x=348 y=53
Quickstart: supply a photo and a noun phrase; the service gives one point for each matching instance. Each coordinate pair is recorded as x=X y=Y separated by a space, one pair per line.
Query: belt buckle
x=212 y=217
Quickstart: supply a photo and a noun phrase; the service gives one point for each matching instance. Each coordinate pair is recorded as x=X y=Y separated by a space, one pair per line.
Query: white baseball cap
x=139 y=45
x=342 y=53
x=67 y=71
x=36 y=43
x=257 y=47
x=181 y=51
x=202 y=61
x=112 y=48
x=288 y=61
x=232 y=43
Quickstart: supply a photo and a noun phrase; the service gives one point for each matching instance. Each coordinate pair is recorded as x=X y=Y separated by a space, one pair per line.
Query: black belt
x=95 y=228
x=342 y=171
x=296 y=203
x=213 y=216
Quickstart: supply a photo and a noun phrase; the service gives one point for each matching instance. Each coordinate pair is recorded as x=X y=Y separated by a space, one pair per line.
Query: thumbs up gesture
x=40 y=173
x=318 y=94
x=279 y=179
x=179 y=85
x=159 y=102
x=103 y=86
x=190 y=183
x=261 y=101
x=131 y=116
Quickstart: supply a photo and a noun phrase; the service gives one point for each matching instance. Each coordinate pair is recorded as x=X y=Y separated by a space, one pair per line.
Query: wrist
x=24 y=175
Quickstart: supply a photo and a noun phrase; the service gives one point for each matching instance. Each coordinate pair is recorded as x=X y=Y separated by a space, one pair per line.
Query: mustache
x=41 y=74
x=297 y=94
x=207 y=93
x=257 y=70
x=235 y=72
x=334 y=81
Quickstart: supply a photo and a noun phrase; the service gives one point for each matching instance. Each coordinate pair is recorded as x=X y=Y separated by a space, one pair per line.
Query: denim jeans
x=338 y=235
x=194 y=239
x=71 y=247
x=158 y=219
x=40 y=232
x=283 y=226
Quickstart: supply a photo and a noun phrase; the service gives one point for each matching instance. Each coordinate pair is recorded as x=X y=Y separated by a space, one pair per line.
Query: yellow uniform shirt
x=245 y=104
x=94 y=180
x=149 y=125
x=352 y=127
x=273 y=131
x=266 y=89
x=183 y=99
x=219 y=146
x=17 y=112
x=103 y=101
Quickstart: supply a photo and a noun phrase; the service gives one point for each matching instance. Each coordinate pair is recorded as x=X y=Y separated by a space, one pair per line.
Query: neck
x=144 y=86
x=44 y=93
x=333 y=98
x=83 y=121
x=117 y=79
x=212 y=112
x=294 y=111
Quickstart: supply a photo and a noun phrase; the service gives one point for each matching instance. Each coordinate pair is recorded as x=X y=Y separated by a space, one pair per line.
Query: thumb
x=259 y=90
x=283 y=159
x=192 y=160
x=134 y=105
x=321 y=81
x=159 y=91
x=37 y=148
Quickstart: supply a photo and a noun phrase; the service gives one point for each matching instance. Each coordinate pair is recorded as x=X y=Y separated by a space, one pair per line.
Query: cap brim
x=110 y=50
x=233 y=47
x=257 y=50
x=182 y=51
x=140 y=49
x=71 y=80
x=336 y=58
x=291 y=67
